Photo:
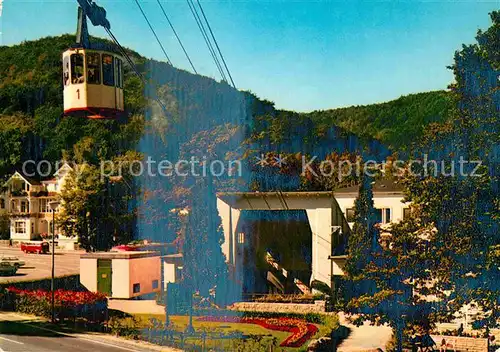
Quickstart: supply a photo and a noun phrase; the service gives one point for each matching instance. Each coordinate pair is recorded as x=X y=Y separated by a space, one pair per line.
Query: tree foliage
x=205 y=264
x=445 y=256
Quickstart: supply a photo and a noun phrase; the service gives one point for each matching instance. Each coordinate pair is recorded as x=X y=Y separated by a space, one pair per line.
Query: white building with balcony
x=26 y=202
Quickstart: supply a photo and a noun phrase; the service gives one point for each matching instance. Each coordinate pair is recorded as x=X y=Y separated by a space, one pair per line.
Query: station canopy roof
x=276 y=200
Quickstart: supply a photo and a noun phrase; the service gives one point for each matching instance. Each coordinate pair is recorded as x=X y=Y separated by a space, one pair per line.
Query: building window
x=2 y=203
x=108 y=70
x=241 y=238
x=77 y=72
x=383 y=215
x=119 y=73
x=350 y=215
x=136 y=288
x=66 y=70
x=24 y=206
x=406 y=213
x=20 y=227
x=28 y=187
x=94 y=68
x=155 y=284
x=44 y=205
x=388 y=215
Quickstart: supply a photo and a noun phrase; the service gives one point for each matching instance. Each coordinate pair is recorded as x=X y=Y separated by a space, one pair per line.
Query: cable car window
x=94 y=68
x=66 y=70
x=108 y=70
x=77 y=75
x=119 y=73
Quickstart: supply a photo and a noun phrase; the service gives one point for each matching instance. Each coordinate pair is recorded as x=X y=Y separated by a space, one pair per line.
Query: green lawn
x=180 y=323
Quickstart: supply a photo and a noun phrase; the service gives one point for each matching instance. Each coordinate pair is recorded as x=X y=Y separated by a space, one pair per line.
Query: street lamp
x=53 y=206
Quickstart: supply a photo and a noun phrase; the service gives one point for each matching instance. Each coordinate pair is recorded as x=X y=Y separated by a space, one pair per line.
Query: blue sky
x=303 y=55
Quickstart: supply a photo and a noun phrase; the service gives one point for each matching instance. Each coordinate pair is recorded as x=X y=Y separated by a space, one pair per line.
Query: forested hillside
x=203 y=118
x=31 y=122
x=396 y=123
x=31 y=105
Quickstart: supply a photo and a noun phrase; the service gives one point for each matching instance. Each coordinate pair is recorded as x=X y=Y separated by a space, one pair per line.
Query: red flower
x=63 y=297
x=301 y=330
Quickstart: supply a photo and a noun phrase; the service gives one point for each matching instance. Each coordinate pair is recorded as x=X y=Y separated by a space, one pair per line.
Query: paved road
x=39 y=266
x=23 y=337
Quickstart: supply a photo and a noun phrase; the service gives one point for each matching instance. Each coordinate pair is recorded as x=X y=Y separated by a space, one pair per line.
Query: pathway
x=365 y=337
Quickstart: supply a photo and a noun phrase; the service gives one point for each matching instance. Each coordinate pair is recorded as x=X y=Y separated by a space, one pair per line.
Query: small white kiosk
x=121 y=274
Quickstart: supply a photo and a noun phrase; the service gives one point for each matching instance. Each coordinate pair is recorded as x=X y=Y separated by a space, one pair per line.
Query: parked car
x=7 y=269
x=13 y=260
x=35 y=247
x=125 y=248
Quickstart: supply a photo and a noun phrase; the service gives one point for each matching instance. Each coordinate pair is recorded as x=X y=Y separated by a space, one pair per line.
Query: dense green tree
x=205 y=265
x=445 y=255
x=15 y=132
x=96 y=204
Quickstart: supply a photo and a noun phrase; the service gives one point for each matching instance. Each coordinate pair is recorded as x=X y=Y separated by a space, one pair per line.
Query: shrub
x=126 y=327
x=255 y=343
x=321 y=287
x=68 y=304
x=300 y=298
x=315 y=318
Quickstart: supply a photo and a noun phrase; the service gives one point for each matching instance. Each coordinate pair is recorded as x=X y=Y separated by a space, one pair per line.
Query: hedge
x=62 y=282
x=90 y=306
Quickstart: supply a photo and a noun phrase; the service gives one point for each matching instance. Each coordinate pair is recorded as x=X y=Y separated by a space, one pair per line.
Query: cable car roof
x=98 y=46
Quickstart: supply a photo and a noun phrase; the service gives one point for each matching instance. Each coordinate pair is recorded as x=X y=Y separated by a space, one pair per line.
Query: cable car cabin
x=93 y=83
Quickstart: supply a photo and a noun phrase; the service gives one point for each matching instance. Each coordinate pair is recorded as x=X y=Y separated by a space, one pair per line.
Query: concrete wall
x=320 y=221
x=393 y=202
x=229 y=218
x=120 y=278
x=88 y=273
x=316 y=307
x=168 y=274
x=458 y=343
x=143 y=271
x=338 y=266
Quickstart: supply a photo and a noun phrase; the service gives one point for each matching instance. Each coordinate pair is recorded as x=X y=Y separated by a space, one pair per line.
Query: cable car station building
x=329 y=214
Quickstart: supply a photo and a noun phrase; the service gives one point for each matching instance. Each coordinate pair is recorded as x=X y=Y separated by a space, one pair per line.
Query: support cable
x=152 y=30
x=216 y=43
x=205 y=37
x=175 y=33
x=133 y=66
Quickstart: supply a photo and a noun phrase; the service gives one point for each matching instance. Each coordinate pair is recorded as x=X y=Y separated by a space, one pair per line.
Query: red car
x=125 y=248
x=35 y=247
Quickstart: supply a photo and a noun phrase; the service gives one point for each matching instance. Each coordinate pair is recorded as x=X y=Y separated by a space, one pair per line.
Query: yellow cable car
x=92 y=73
x=93 y=83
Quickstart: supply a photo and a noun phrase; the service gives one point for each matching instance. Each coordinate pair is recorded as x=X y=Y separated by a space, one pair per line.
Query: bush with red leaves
x=68 y=304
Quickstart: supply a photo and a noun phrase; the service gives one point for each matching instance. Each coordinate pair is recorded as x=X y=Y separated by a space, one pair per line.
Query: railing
x=199 y=341
x=18 y=193
x=281 y=298
x=20 y=213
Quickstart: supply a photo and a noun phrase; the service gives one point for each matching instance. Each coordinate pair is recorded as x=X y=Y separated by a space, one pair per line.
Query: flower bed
x=300 y=330
x=68 y=304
